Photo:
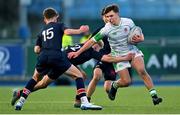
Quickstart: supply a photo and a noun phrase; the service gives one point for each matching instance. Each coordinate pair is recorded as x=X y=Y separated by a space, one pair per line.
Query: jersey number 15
x=48 y=34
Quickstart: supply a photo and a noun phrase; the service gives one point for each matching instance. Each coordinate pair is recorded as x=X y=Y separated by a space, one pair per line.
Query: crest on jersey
x=125 y=29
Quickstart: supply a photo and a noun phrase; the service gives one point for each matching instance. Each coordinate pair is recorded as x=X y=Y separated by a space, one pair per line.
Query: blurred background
x=21 y=20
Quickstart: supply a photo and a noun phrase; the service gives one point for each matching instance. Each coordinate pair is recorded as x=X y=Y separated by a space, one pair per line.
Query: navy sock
x=28 y=88
x=77 y=97
x=80 y=87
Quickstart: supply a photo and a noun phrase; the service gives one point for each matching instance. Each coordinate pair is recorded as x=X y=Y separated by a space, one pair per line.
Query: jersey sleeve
x=63 y=27
x=103 y=32
x=39 y=40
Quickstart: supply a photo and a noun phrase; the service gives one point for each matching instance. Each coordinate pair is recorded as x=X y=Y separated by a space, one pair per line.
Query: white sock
x=115 y=85
x=84 y=100
x=22 y=100
x=153 y=92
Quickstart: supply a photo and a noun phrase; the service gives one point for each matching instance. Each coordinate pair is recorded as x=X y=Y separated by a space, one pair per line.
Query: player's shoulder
x=59 y=24
x=127 y=21
x=107 y=26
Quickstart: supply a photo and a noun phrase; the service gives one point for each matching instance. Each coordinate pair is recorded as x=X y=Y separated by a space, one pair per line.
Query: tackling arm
x=86 y=46
x=82 y=29
x=113 y=59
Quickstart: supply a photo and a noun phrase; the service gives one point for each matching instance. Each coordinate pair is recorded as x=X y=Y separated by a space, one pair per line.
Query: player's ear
x=45 y=20
x=57 y=18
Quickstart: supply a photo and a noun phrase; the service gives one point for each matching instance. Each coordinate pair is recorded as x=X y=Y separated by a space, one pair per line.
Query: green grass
x=59 y=100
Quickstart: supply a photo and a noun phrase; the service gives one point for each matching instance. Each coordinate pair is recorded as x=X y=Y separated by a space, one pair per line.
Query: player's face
x=112 y=17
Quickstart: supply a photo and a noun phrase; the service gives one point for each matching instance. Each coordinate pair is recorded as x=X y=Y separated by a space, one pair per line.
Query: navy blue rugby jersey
x=51 y=36
x=84 y=56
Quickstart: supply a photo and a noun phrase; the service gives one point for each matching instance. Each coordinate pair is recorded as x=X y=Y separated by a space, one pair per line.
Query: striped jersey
x=117 y=35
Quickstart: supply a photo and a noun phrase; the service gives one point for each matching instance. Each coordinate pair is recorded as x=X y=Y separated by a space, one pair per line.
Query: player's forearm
x=109 y=59
x=72 y=31
x=82 y=29
x=86 y=46
x=113 y=59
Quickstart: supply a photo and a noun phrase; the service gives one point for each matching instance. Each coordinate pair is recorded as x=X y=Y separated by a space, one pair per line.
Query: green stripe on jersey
x=98 y=37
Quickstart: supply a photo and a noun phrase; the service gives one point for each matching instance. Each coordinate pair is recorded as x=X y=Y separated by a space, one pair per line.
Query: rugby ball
x=134 y=31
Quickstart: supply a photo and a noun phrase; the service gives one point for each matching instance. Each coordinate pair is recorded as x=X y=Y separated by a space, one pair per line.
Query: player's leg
x=27 y=90
x=97 y=73
x=41 y=69
x=76 y=74
x=109 y=75
x=138 y=64
x=43 y=83
x=123 y=81
x=107 y=85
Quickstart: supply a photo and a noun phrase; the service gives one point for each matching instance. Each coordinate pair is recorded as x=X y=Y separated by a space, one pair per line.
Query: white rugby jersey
x=117 y=35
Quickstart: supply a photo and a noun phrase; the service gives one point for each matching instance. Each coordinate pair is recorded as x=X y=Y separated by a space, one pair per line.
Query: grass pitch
x=59 y=100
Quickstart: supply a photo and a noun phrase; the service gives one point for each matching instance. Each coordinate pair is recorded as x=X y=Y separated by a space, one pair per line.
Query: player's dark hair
x=102 y=12
x=112 y=7
x=50 y=13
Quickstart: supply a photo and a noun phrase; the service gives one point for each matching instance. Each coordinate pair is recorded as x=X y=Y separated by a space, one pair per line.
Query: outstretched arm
x=82 y=29
x=86 y=46
x=110 y=59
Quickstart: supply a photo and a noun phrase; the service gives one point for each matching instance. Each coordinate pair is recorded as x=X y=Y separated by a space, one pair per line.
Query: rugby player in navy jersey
x=52 y=62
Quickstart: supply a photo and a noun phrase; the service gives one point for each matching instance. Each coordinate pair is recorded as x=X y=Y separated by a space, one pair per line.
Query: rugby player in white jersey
x=117 y=30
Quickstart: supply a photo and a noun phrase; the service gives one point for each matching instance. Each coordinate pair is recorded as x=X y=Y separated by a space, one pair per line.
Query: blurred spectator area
x=158 y=18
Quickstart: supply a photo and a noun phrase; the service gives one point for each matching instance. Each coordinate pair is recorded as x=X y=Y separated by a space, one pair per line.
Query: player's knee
x=36 y=78
x=43 y=85
x=126 y=82
x=96 y=78
x=142 y=72
x=78 y=75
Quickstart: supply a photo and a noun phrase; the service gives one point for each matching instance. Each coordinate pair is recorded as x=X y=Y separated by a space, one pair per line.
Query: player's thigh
x=41 y=67
x=73 y=72
x=124 y=75
x=138 y=63
x=109 y=72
